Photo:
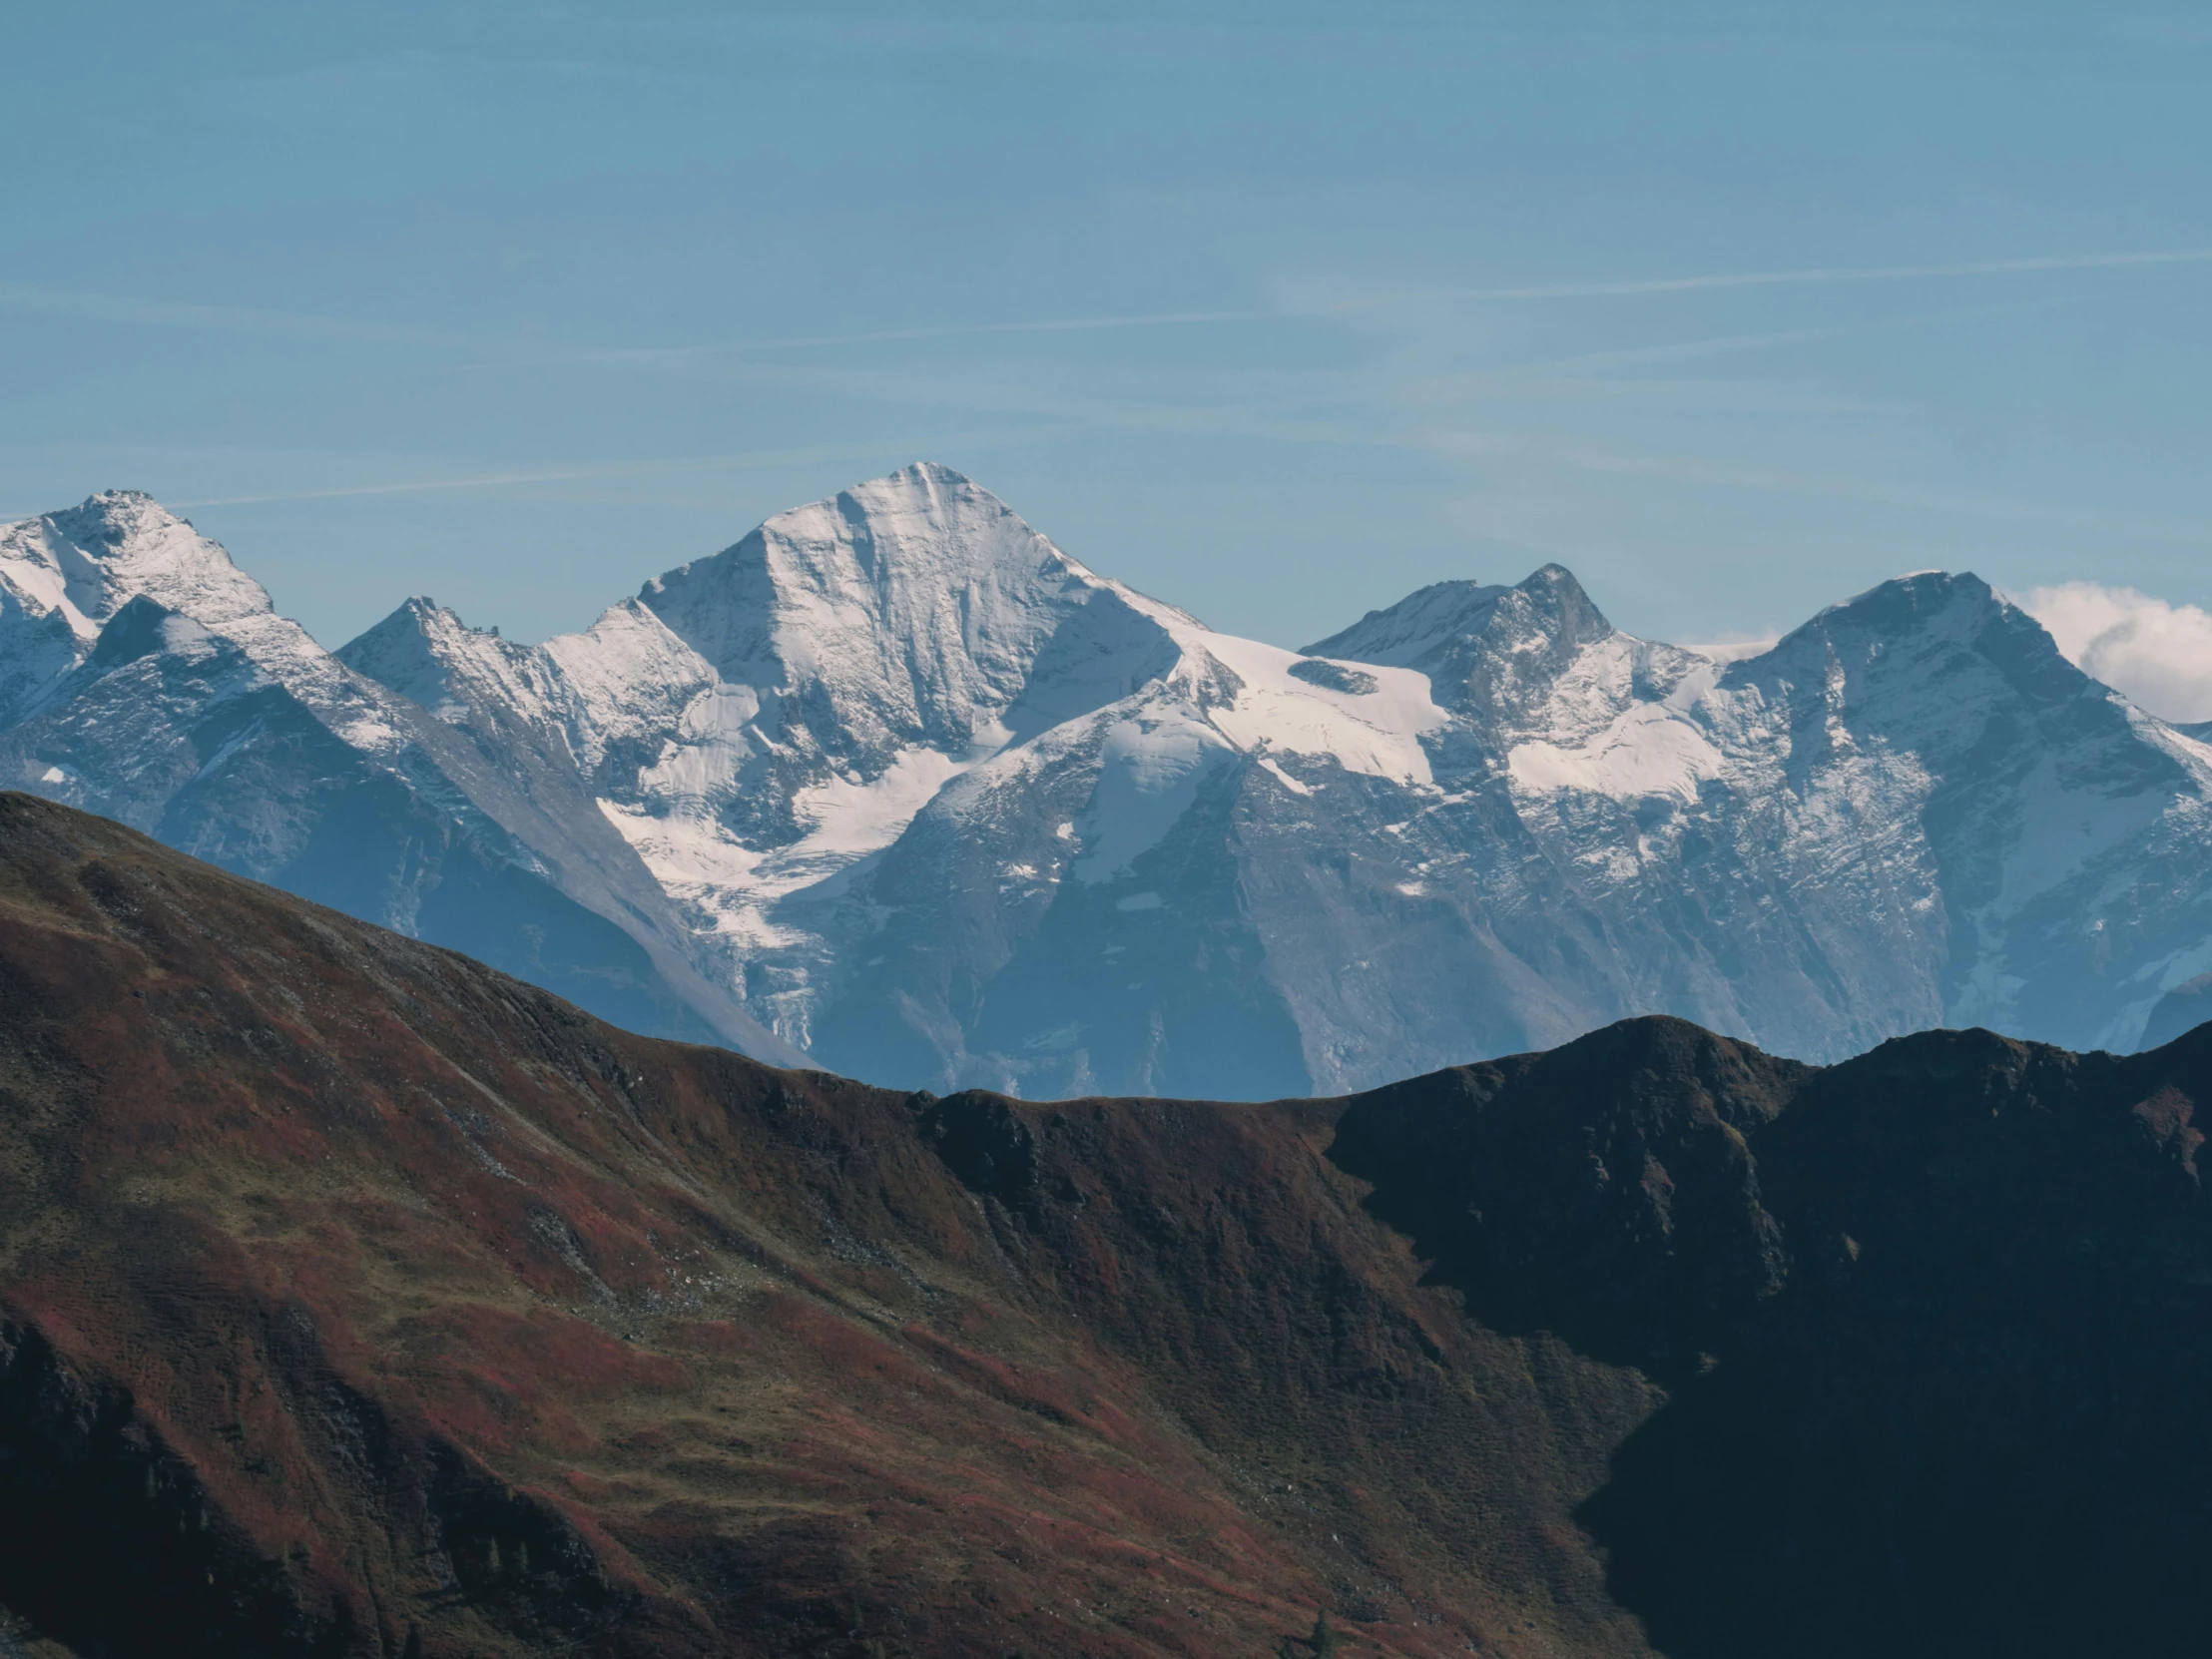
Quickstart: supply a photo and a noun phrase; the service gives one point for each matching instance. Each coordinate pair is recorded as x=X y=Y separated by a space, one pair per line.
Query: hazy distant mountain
x=895 y=781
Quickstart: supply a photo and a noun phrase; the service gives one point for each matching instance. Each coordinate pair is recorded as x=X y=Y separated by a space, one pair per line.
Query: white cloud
x=2158 y=654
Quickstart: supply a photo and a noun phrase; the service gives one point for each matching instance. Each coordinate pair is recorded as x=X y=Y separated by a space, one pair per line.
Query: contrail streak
x=539 y=352
x=1830 y=273
x=1629 y=288
x=624 y=469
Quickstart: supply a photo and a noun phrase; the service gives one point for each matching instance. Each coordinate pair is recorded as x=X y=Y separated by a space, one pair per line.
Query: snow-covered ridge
x=908 y=784
x=144 y=677
x=86 y=562
x=1419 y=628
x=785 y=710
x=622 y=678
x=76 y=570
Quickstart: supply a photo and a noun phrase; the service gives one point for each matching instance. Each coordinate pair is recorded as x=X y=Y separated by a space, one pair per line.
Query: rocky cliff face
x=896 y=783
x=357 y=1299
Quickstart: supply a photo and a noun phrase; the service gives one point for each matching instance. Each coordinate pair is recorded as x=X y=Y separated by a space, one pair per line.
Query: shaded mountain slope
x=356 y=1298
x=1931 y=1321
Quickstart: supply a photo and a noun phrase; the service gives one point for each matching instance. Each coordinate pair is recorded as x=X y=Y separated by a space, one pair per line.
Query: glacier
x=897 y=787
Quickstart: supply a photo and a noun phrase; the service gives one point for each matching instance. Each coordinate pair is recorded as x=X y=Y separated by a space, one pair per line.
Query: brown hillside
x=357 y=1299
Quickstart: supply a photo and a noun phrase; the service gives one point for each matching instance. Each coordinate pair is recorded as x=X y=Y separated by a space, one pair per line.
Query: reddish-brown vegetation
x=357 y=1299
x=386 y=1264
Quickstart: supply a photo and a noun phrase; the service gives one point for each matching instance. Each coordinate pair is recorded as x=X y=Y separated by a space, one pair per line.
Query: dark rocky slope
x=357 y=1299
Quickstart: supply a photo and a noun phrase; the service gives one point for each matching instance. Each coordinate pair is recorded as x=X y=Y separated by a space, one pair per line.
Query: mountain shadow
x=1932 y=1323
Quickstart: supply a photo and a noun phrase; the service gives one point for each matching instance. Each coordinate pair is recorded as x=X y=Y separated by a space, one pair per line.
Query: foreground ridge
x=367 y=1300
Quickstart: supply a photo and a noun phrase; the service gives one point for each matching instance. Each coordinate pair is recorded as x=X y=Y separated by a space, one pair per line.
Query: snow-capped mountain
x=783 y=734
x=148 y=679
x=895 y=781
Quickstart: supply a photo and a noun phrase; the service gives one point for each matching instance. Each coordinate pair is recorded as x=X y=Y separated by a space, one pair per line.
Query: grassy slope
x=351 y=1293
x=385 y=1261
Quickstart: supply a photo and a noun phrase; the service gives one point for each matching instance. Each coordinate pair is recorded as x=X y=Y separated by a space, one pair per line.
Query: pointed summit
x=1902 y=637
x=1483 y=647
x=621 y=676
x=904 y=610
x=87 y=562
x=414 y=652
x=65 y=575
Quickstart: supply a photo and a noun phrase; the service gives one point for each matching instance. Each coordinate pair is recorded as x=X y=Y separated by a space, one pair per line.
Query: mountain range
x=361 y=1302
x=895 y=786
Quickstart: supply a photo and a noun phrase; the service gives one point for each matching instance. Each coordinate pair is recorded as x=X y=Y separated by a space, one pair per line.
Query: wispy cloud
x=906 y=446
x=1357 y=408
x=248 y=319
x=540 y=353
x=1703 y=471
x=1044 y=419
x=1321 y=310
x=952 y=330
x=1817 y=275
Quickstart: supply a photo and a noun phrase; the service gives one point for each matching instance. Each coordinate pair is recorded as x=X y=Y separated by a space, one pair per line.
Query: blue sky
x=1273 y=310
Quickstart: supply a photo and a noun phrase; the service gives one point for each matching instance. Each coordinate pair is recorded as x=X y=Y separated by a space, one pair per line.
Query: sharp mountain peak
x=1918 y=622
x=88 y=561
x=1458 y=609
